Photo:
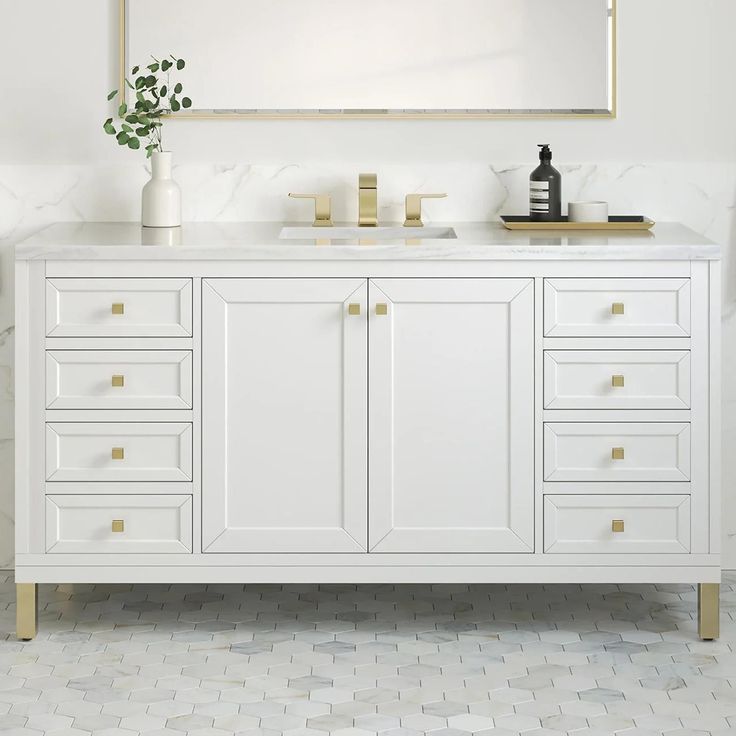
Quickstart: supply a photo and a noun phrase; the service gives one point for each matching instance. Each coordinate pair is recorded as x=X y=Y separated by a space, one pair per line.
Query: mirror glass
x=383 y=57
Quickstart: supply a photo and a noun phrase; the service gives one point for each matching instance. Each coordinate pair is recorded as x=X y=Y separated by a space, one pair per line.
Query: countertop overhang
x=259 y=241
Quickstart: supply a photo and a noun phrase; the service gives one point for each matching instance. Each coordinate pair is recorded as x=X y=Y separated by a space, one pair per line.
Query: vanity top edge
x=260 y=241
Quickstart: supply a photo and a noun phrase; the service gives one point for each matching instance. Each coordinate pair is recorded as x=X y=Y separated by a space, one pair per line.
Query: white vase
x=161 y=195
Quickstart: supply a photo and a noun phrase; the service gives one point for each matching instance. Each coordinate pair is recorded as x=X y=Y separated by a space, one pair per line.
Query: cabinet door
x=284 y=416
x=451 y=402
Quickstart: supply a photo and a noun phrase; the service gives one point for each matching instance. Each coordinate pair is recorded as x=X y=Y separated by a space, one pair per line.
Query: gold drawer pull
x=118 y=453
x=617 y=381
x=354 y=310
x=617 y=308
x=617 y=453
x=617 y=526
x=118 y=381
x=118 y=525
x=381 y=310
x=118 y=308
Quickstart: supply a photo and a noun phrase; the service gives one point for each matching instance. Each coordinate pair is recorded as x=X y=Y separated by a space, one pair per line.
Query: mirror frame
x=609 y=114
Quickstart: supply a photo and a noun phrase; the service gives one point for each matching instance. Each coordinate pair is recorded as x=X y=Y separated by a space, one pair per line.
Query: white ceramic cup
x=587 y=212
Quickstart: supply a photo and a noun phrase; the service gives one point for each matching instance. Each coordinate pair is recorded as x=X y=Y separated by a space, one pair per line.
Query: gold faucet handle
x=414 y=208
x=322 y=208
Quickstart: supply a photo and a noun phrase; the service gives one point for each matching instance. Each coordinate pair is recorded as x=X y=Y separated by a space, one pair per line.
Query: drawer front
x=118 y=307
x=617 y=307
x=125 y=451
x=617 y=451
x=616 y=524
x=118 y=379
x=122 y=524
x=617 y=379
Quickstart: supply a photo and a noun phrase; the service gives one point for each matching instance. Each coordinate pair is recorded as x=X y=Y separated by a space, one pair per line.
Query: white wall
x=671 y=153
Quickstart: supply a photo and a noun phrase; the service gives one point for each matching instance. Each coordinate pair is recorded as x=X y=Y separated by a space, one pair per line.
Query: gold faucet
x=367 y=200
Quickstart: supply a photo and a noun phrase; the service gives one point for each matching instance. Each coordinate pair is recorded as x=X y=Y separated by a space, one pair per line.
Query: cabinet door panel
x=284 y=416
x=451 y=399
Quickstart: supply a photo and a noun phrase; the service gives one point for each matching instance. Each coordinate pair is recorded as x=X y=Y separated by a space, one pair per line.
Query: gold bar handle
x=118 y=453
x=617 y=308
x=414 y=208
x=118 y=308
x=617 y=381
x=118 y=525
x=617 y=526
x=617 y=453
x=118 y=381
x=354 y=310
x=381 y=309
x=322 y=208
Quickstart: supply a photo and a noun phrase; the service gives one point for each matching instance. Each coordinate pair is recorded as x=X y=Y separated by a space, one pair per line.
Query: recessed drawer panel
x=617 y=379
x=617 y=451
x=616 y=524
x=125 y=451
x=121 y=524
x=118 y=307
x=617 y=307
x=118 y=379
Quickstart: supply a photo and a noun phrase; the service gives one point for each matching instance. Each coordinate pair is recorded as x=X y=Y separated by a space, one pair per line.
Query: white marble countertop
x=260 y=241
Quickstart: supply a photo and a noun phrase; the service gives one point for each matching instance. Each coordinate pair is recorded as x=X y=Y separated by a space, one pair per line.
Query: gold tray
x=615 y=222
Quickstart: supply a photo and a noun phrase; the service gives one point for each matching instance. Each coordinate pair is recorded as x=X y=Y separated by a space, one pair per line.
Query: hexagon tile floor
x=304 y=660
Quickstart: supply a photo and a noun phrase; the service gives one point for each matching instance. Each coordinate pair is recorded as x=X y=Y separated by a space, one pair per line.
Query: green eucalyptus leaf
x=122 y=138
x=134 y=144
x=142 y=132
x=152 y=67
x=126 y=128
x=186 y=102
x=180 y=64
x=166 y=65
x=140 y=82
x=178 y=88
x=127 y=81
x=109 y=128
x=132 y=118
x=135 y=69
x=122 y=110
x=111 y=95
x=150 y=80
x=164 y=90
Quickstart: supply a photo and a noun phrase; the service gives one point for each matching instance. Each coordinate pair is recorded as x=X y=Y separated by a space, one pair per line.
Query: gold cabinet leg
x=709 y=610
x=26 y=610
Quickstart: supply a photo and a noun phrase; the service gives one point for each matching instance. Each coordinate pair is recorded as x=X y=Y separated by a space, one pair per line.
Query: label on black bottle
x=539 y=197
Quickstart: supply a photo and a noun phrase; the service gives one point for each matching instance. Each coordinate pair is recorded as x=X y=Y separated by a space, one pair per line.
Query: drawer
x=617 y=451
x=118 y=379
x=127 y=524
x=617 y=307
x=118 y=307
x=124 y=451
x=610 y=524
x=617 y=379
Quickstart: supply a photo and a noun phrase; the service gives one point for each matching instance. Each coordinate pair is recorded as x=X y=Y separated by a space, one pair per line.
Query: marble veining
x=700 y=195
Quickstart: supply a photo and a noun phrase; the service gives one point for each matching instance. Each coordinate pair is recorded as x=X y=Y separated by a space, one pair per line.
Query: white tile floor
x=303 y=660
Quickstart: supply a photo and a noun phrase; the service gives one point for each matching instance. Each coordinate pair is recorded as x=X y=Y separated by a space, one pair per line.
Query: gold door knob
x=118 y=308
x=617 y=453
x=381 y=310
x=617 y=308
x=118 y=381
x=118 y=453
x=118 y=525
x=617 y=526
x=617 y=381
x=354 y=310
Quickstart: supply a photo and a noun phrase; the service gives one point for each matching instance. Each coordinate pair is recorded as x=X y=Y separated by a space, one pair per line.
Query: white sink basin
x=396 y=232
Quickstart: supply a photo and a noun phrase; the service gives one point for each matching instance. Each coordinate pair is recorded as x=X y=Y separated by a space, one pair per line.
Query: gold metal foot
x=26 y=610
x=709 y=610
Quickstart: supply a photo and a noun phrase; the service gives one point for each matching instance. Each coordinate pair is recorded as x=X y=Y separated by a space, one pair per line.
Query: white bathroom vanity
x=219 y=404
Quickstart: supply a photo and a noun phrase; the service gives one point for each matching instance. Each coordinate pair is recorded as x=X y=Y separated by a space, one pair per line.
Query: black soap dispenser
x=545 y=189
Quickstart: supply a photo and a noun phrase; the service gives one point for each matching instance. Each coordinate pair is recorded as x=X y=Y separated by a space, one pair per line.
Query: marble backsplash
x=703 y=196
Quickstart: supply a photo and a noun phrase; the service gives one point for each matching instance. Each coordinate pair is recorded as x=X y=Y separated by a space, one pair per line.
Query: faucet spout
x=367 y=200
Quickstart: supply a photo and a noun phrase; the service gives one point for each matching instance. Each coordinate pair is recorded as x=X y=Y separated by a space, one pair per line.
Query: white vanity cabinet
x=500 y=408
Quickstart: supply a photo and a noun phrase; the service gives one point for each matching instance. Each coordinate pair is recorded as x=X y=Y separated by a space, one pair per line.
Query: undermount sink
x=396 y=232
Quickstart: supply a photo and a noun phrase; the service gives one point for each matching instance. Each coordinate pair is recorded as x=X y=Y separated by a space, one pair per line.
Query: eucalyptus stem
x=155 y=99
